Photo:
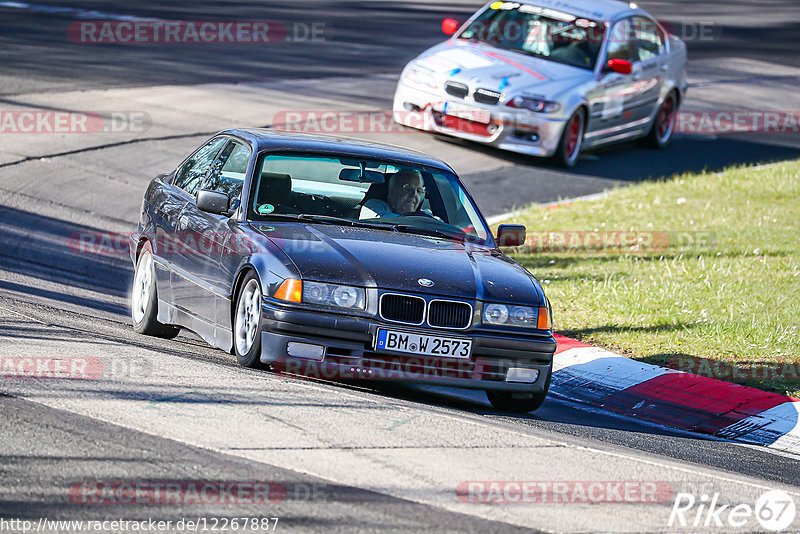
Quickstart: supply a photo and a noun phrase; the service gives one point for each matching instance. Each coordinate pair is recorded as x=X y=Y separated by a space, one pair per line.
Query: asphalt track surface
x=56 y=300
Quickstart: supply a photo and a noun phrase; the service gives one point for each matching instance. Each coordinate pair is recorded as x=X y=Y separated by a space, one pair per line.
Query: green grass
x=715 y=281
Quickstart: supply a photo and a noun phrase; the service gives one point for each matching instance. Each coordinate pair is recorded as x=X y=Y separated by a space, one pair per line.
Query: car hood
x=396 y=261
x=511 y=73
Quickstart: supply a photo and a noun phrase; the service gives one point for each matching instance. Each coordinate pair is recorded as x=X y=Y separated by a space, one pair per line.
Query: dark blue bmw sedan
x=340 y=259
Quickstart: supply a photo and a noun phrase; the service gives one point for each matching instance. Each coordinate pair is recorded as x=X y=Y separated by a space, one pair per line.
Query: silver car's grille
x=402 y=308
x=449 y=314
x=486 y=96
x=456 y=89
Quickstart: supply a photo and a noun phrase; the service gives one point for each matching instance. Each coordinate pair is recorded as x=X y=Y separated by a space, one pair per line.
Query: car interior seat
x=275 y=189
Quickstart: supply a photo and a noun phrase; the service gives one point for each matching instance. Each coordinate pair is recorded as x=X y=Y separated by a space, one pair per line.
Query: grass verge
x=700 y=272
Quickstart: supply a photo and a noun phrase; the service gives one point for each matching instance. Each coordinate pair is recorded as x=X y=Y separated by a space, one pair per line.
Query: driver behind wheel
x=405 y=194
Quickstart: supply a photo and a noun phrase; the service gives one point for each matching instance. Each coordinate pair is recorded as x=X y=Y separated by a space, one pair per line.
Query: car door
x=614 y=99
x=650 y=70
x=208 y=242
x=186 y=183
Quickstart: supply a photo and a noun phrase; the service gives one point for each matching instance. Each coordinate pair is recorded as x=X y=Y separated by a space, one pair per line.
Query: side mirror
x=510 y=235
x=620 y=66
x=449 y=26
x=213 y=202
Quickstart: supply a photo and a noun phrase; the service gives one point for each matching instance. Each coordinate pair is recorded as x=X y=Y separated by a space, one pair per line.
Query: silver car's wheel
x=247 y=323
x=144 y=299
x=664 y=122
x=571 y=142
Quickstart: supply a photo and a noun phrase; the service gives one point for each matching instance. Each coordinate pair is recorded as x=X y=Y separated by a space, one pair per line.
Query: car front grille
x=449 y=314
x=456 y=89
x=402 y=308
x=486 y=96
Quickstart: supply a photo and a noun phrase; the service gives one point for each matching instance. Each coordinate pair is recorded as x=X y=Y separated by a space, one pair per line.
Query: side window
x=620 y=42
x=194 y=170
x=648 y=38
x=227 y=174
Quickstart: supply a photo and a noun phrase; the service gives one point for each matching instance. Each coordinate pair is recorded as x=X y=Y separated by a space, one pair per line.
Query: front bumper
x=528 y=133
x=349 y=352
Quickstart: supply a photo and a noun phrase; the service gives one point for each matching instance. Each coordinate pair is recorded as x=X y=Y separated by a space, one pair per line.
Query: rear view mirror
x=510 y=235
x=361 y=175
x=213 y=202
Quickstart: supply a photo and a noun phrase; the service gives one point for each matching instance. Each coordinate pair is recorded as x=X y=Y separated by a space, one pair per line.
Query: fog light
x=520 y=374
x=411 y=107
x=305 y=350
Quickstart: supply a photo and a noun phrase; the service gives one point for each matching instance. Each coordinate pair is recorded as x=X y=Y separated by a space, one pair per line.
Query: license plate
x=465 y=112
x=411 y=343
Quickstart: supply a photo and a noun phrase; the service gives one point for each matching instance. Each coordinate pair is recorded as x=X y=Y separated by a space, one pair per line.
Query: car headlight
x=519 y=316
x=536 y=105
x=334 y=295
x=421 y=77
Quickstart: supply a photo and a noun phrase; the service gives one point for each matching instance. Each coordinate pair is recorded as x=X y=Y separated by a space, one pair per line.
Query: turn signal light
x=291 y=290
x=544 y=319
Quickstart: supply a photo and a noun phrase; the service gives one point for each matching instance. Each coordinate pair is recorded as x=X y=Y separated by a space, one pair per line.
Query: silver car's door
x=613 y=100
x=649 y=71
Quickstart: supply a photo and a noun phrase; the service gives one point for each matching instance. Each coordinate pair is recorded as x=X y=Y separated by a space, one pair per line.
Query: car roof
x=267 y=139
x=599 y=10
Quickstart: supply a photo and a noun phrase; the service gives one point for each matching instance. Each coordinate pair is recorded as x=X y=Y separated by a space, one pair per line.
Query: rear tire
x=571 y=142
x=663 y=123
x=247 y=323
x=144 y=299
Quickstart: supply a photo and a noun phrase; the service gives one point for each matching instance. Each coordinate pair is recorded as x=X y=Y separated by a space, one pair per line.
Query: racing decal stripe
x=520 y=66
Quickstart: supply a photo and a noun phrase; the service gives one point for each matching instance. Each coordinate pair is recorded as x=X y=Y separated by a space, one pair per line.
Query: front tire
x=506 y=401
x=571 y=142
x=144 y=299
x=664 y=123
x=247 y=323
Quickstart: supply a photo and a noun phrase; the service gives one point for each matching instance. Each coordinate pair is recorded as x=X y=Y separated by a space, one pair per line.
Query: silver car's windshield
x=362 y=192
x=539 y=32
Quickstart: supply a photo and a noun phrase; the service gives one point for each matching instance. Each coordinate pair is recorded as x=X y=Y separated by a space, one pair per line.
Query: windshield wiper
x=341 y=221
x=324 y=219
x=411 y=229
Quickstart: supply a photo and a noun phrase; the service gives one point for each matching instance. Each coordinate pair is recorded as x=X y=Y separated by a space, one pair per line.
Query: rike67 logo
x=773 y=511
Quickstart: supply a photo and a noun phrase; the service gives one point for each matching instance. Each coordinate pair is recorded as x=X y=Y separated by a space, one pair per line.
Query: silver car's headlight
x=505 y=315
x=536 y=105
x=349 y=297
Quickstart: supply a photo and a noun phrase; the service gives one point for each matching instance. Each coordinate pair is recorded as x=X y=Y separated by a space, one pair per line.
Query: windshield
x=359 y=192
x=539 y=32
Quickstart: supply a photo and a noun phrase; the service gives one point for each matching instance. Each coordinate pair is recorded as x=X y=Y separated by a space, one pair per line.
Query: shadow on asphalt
x=633 y=163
